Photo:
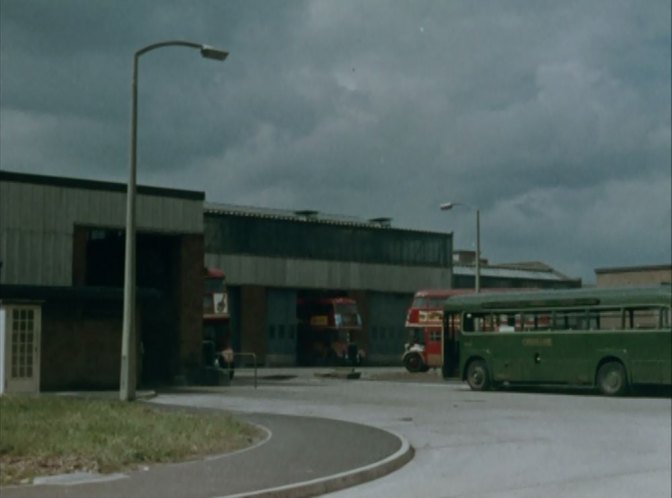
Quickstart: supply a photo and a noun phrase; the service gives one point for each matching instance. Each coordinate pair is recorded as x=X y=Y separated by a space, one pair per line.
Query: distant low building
x=633 y=275
x=507 y=275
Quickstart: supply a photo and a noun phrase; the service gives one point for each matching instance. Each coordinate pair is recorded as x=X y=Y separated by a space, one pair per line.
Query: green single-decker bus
x=609 y=338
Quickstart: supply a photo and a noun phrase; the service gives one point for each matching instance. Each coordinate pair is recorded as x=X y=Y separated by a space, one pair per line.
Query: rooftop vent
x=307 y=214
x=381 y=222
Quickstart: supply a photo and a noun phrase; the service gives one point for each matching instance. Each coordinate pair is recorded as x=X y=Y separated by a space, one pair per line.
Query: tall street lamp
x=127 y=377
x=450 y=205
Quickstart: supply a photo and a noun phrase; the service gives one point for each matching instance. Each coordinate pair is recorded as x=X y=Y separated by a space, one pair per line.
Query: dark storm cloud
x=552 y=117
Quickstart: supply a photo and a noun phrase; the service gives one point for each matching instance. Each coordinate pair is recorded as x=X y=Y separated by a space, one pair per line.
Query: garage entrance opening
x=158 y=269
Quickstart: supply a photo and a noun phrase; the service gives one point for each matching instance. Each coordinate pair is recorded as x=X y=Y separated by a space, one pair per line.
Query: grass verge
x=50 y=435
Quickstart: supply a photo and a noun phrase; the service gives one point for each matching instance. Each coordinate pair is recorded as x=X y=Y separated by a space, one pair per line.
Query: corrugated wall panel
x=36 y=258
x=312 y=274
x=12 y=212
x=109 y=209
x=387 y=315
x=53 y=215
x=37 y=225
x=281 y=327
x=57 y=208
x=176 y=215
x=98 y=208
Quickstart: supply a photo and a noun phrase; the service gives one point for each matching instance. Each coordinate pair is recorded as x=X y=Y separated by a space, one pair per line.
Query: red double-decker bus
x=327 y=328
x=427 y=347
x=424 y=322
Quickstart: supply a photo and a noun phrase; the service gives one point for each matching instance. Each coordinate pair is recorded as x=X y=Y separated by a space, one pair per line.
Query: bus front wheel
x=478 y=376
x=611 y=379
x=413 y=363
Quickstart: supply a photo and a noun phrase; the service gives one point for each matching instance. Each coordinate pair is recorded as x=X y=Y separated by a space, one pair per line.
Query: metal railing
x=254 y=364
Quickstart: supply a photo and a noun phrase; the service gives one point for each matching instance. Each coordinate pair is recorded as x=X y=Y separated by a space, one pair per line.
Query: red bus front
x=424 y=322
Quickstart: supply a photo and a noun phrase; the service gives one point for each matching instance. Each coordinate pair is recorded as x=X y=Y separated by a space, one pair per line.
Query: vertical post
x=128 y=375
x=478 y=251
x=127 y=378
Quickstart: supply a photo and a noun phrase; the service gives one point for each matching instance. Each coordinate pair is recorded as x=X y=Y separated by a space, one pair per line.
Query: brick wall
x=80 y=350
x=189 y=286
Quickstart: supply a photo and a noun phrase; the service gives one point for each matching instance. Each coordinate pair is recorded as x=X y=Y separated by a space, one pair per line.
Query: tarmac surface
x=301 y=456
x=336 y=437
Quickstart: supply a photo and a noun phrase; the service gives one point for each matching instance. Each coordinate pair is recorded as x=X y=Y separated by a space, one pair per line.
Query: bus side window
x=505 y=323
x=485 y=323
x=569 y=319
x=468 y=323
x=519 y=322
x=529 y=322
x=643 y=318
x=479 y=323
x=542 y=321
x=593 y=320
x=609 y=319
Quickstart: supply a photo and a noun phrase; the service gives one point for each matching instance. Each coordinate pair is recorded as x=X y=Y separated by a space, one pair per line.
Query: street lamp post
x=127 y=378
x=450 y=205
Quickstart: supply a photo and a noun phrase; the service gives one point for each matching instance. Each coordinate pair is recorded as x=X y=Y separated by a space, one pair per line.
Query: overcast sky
x=552 y=117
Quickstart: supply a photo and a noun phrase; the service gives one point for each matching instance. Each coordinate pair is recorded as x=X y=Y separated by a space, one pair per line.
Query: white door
x=22 y=353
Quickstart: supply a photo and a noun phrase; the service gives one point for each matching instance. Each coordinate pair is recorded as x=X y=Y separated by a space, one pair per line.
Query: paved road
x=489 y=445
x=496 y=444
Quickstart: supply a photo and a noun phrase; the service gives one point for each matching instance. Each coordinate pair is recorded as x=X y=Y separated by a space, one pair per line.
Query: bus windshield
x=346 y=308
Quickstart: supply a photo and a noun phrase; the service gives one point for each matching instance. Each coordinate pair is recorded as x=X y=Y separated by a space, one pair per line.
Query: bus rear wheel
x=413 y=363
x=611 y=379
x=478 y=376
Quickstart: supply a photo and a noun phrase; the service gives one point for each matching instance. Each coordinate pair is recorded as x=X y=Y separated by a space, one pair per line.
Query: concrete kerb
x=336 y=482
x=143 y=395
x=309 y=488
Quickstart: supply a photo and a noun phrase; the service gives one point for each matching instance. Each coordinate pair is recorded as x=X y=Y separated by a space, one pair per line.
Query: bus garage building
x=61 y=276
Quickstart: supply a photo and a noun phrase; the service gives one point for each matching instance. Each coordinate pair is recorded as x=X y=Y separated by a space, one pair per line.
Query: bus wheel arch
x=413 y=362
x=477 y=374
x=611 y=377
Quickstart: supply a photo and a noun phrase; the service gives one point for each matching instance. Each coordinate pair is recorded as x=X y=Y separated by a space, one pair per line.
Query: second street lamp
x=127 y=376
x=477 y=278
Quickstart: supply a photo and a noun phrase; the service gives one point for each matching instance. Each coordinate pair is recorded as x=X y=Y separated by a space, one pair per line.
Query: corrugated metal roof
x=281 y=214
x=308 y=216
x=504 y=272
x=85 y=184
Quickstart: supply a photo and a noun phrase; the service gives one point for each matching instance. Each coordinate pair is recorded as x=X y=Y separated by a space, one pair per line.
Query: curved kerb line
x=269 y=436
x=339 y=481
